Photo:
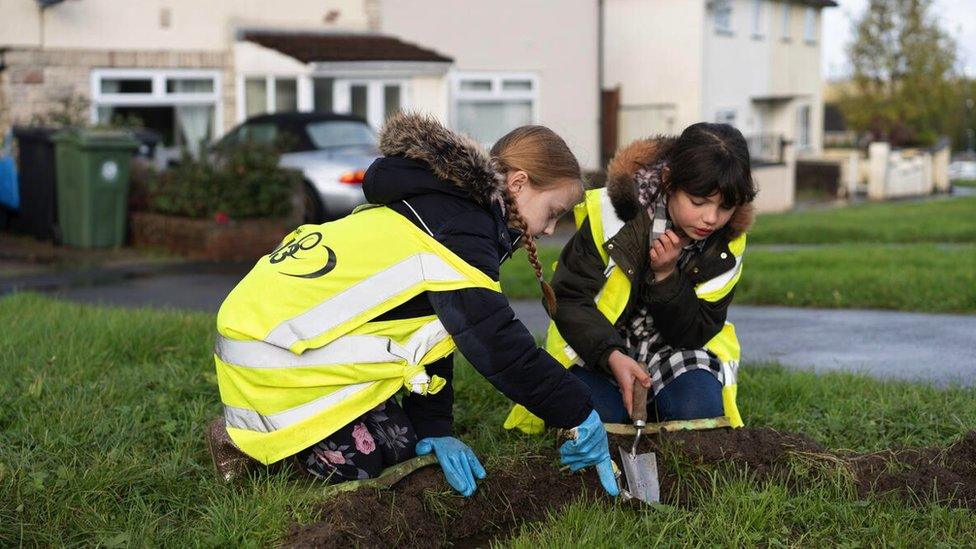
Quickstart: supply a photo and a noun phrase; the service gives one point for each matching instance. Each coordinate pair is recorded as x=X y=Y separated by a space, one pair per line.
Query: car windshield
x=340 y=133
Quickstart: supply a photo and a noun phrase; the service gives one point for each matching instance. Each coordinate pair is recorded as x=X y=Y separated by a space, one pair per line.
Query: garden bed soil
x=230 y=240
x=422 y=511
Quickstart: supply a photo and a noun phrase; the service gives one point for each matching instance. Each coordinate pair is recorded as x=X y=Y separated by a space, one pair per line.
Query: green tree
x=962 y=125
x=903 y=85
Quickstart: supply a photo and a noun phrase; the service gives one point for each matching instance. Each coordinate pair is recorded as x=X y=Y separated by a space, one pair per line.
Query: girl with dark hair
x=644 y=285
x=316 y=341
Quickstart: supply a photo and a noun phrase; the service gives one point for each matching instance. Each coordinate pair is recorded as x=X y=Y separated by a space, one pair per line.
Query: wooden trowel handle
x=639 y=414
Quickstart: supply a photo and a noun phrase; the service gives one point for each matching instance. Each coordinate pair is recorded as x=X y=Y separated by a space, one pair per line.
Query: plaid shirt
x=644 y=343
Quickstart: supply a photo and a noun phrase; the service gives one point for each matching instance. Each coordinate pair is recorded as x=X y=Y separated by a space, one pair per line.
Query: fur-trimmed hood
x=452 y=157
x=622 y=187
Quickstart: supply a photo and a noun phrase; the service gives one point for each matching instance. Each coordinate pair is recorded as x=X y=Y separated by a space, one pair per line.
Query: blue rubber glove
x=591 y=448
x=457 y=460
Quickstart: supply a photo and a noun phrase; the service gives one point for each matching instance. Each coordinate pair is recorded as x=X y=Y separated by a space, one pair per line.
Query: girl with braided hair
x=471 y=208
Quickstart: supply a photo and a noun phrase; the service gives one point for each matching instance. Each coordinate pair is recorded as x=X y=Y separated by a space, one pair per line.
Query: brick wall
x=36 y=81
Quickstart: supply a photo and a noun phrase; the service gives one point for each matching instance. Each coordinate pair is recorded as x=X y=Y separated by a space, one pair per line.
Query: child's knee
x=695 y=394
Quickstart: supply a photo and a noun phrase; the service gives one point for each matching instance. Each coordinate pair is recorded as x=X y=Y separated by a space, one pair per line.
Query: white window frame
x=303 y=83
x=810 y=25
x=723 y=25
x=786 y=22
x=758 y=10
x=495 y=93
x=157 y=97
x=375 y=96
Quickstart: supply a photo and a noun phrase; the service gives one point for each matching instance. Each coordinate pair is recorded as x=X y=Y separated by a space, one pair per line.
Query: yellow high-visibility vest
x=299 y=353
x=614 y=296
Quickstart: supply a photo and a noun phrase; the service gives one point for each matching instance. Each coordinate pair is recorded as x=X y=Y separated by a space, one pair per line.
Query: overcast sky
x=957 y=16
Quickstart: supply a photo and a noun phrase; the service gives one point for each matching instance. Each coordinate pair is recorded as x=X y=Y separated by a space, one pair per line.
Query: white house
x=754 y=64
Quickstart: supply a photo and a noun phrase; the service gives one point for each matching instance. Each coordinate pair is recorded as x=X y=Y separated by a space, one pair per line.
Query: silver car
x=332 y=151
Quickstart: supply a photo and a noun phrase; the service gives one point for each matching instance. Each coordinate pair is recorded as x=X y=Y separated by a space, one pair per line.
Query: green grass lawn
x=101 y=443
x=947 y=220
x=965 y=182
x=910 y=256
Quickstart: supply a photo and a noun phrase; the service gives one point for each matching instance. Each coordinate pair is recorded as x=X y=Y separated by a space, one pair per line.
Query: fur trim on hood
x=622 y=188
x=452 y=157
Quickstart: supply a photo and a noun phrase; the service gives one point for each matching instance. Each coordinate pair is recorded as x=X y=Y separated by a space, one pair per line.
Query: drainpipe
x=599 y=83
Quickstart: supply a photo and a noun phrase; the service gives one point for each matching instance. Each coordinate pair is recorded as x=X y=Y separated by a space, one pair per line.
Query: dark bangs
x=709 y=158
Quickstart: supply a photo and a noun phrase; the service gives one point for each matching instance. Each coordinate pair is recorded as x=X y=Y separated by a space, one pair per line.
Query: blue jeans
x=694 y=394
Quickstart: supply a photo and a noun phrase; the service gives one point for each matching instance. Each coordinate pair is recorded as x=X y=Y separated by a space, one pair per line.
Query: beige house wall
x=166 y=24
x=654 y=53
x=777 y=191
x=430 y=94
x=556 y=40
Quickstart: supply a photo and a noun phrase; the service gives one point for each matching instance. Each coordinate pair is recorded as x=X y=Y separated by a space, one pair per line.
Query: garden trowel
x=640 y=470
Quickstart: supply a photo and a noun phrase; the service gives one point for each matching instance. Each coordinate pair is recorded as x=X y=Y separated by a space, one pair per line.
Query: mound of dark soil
x=422 y=511
x=918 y=475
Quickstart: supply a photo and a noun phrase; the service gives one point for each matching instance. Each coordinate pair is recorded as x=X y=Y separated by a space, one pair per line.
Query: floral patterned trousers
x=378 y=439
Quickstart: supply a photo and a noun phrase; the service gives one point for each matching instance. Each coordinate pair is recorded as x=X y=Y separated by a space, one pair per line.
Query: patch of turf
x=908 y=277
x=937 y=220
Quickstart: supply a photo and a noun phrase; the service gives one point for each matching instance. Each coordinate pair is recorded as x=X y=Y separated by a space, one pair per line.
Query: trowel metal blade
x=640 y=471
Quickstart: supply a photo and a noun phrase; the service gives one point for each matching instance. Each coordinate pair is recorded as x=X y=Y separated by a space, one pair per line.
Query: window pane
x=486 y=121
x=517 y=85
x=757 y=16
x=803 y=126
x=255 y=96
x=723 y=16
x=126 y=85
x=391 y=100
x=340 y=133
x=476 y=85
x=286 y=95
x=322 y=94
x=189 y=85
x=194 y=122
x=261 y=133
x=786 y=20
x=810 y=25
x=357 y=94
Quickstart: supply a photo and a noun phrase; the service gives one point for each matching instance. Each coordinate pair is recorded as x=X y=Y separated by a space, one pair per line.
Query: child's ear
x=516 y=180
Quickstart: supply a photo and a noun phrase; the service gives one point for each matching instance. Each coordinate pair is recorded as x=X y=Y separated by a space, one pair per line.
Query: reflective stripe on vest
x=242 y=418
x=350 y=349
x=363 y=296
x=299 y=353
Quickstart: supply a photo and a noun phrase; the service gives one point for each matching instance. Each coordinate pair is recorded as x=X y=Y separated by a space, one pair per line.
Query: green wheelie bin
x=93 y=186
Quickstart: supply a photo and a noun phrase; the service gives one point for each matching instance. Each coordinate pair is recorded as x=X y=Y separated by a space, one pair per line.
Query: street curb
x=96 y=276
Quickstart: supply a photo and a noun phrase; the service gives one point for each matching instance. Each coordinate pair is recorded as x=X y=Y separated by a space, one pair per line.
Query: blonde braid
x=529 y=243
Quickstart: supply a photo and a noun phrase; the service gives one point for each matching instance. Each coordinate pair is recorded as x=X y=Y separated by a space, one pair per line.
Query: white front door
x=374 y=100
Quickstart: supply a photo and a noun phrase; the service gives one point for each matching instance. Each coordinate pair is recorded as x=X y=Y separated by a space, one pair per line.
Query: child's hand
x=665 y=252
x=627 y=372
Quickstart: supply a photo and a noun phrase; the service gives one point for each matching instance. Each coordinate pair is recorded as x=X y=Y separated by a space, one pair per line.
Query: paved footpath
x=938 y=348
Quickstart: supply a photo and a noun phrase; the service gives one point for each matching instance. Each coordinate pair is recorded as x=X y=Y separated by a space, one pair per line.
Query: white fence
x=887 y=173
x=909 y=172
